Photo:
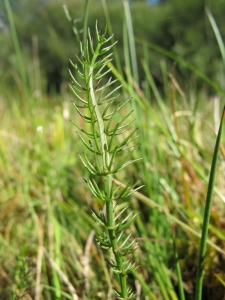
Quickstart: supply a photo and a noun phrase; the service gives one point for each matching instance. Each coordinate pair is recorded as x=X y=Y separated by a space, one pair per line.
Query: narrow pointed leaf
x=203 y=242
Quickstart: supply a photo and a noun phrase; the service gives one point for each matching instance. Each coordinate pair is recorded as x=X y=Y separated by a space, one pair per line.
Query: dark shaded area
x=54 y=80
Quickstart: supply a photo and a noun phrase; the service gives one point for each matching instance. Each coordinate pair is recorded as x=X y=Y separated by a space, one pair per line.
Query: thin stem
x=113 y=240
x=108 y=178
x=202 y=251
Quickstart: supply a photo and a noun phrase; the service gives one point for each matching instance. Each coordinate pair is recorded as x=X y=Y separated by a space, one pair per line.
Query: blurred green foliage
x=178 y=26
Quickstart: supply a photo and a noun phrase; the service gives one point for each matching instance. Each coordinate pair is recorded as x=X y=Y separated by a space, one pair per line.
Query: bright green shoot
x=109 y=155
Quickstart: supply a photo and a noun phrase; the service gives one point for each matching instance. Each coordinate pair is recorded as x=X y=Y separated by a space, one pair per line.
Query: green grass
x=45 y=203
x=48 y=248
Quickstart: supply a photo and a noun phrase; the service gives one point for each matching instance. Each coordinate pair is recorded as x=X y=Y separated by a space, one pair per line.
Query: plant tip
x=223 y=112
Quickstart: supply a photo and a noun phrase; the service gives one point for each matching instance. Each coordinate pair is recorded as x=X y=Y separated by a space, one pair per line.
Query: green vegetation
x=105 y=150
x=180 y=27
x=53 y=221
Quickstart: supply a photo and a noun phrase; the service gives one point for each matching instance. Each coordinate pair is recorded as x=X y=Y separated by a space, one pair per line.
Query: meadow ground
x=46 y=225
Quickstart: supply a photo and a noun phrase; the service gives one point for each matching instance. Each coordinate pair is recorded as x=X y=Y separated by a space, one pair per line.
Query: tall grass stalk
x=132 y=47
x=130 y=54
x=18 y=51
x=110 y=30
x=217 y=34
x=105 y=126
x=202 y=251
x=220 y=43
x=177 y=265
x=146 y=83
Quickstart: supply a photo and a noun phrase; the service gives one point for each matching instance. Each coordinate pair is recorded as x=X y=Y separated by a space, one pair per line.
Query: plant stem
x=202 y=251
x=113 y=240
x=108 y=178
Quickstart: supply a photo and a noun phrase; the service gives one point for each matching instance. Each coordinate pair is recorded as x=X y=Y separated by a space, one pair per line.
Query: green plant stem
x=96 y=103
x=108 y=178
x=217 y=34
x=202 y=251
x=113 y=240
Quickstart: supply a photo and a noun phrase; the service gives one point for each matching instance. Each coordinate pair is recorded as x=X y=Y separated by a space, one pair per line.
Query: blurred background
x=47 y=40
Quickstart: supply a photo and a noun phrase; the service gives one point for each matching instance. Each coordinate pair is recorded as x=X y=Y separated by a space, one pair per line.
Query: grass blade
x=217 y=33
x=202 y=251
